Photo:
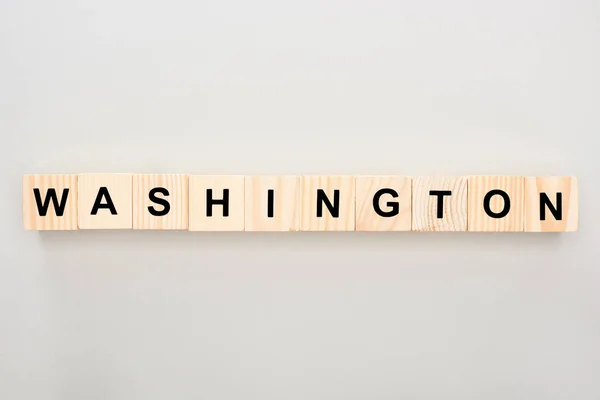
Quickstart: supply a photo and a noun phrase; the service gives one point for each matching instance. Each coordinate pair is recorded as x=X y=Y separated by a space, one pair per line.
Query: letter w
x=51 y=196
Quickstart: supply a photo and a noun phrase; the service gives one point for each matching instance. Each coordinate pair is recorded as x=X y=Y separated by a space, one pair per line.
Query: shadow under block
x=547 y=196
x=50 y=202
x=383 y=203
x=216 y=203
x=105 y=201
x=328 y=203
x=429 y=193
x=272 y=203
x=160 y=201
x=496 y=203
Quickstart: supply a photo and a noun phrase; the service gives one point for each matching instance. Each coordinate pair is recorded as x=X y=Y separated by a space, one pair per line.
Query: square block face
x=216 y=203
x=488 y=209
x=383 y=203
x=273 y=203
x=319 y=194
x=50 y=202
x=105 y=201
x=160 y=201
x=556 y=195
x=439 y=204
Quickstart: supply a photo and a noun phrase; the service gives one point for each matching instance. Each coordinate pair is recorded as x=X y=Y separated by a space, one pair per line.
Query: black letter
x=440 y=200
x=488 y=198
x=270 y=196
x=210 y=202
x=545 y=201
x=394 y=205
x=103 y=192
x=50 y=196
x=158 y=200
x=334 y=209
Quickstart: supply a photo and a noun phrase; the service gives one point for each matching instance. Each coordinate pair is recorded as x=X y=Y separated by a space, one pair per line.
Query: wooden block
x=160 y=201
x=216 y=203
x=273 y=203
x=105 y=201
x=383 y=203
x=50 y=202
x=496 y=204
x=439 y=204
x=551 y=204
x=328 y=203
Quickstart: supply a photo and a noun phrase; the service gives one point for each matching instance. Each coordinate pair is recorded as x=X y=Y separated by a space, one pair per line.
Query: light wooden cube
x=383 y=203
x=207 y=217
x=273 y=203
x=429 y=193
x=319 y=192
x=105 y=201
x=561 y=192
x=160 y=201
x=488 y=211
x=50 y=202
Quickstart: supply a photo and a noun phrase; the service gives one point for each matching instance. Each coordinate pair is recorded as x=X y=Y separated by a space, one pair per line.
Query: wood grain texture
x=286 y=203
x=366 y=217
x=479 y=220
x=425 y=206
x=328 y=183
x=119 y=187
x=32 y=219
x=198 y=218
x=177 y=187
x=551 y=185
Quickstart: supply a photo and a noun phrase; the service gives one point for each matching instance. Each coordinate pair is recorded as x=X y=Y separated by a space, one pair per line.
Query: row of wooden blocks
x=300 y=203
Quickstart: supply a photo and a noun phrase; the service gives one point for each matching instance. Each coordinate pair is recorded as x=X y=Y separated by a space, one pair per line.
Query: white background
x=314 y=86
